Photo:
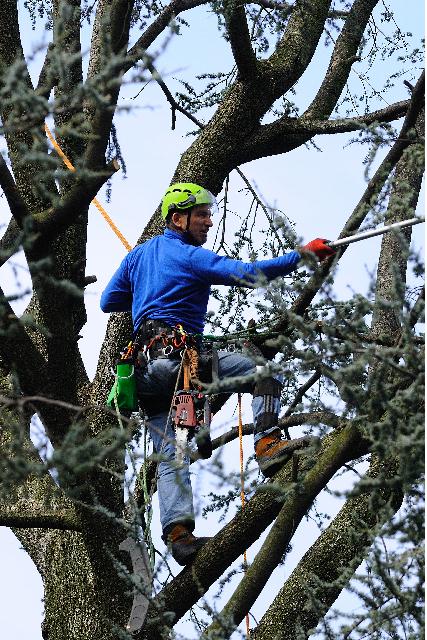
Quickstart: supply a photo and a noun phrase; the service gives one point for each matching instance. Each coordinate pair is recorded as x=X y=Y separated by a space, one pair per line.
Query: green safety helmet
x=184 y=195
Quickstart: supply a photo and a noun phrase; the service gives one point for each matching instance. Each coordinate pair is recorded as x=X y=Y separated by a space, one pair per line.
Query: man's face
x=200 y=223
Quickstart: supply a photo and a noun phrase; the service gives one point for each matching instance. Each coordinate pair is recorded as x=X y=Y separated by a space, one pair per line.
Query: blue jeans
x=156 y=385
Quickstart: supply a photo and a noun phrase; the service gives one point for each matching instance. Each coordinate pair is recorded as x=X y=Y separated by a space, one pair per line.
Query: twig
x=302 y=391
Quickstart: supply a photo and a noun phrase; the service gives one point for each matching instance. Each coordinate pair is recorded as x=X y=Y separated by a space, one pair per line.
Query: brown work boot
x=183 y=545
x=272 y=452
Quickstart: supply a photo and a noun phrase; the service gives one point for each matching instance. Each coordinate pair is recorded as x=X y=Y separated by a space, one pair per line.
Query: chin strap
x=187 y=228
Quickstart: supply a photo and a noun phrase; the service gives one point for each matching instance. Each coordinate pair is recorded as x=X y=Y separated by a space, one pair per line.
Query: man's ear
x=179 y=220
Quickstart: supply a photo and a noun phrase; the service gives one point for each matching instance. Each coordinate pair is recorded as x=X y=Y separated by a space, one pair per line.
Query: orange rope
x=96 y=202
x=242 y=488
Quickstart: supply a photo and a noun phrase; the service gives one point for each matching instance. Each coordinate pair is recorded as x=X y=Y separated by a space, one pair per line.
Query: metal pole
x=375 y=232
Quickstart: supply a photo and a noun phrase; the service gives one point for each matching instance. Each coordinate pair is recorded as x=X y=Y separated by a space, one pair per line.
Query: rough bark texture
x=73 y=533
x=329 y=564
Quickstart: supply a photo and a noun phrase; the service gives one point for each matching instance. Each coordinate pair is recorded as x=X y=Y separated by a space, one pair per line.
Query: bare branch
x=175 y=106
x=302 y=391
x=172 y=10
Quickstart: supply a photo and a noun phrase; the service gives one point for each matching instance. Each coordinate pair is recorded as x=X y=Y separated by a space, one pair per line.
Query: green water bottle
x=123 y=392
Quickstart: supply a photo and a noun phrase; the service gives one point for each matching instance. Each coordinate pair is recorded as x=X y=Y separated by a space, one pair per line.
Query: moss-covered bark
x=330 y=562
x=84 y=596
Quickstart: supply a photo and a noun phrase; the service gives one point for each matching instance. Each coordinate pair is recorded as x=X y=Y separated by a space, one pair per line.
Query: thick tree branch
x=343 y=56
x=66 y=48
x=392 y=264
x=246 y=527
x=31 y=520
x=30 y=499
x=240 y=39
x=96 y=44
x=18 y=352
x=17 y=206
x=277 y=133
x=15 y=114
x=297 y=45
x=46 y=81
x=55 y=220
x=332 y=559
x=110 y=40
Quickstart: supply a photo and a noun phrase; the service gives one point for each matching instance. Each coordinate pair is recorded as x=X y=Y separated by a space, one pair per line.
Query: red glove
x=319 y=247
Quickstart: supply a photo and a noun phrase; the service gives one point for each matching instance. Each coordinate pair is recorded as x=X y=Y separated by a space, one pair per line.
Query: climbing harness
x=160 y=341
x=190 y=407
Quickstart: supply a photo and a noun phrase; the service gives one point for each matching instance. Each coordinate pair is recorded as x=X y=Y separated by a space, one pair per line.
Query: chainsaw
x=192 y=418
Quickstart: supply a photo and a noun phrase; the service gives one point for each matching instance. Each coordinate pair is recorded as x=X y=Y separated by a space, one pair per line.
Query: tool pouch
x=123 y=391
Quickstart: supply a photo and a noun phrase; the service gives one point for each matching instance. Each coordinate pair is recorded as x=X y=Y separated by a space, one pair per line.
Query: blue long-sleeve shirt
x=169 y=279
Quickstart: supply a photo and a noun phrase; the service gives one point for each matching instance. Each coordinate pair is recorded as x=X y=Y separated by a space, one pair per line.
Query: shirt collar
x=176 y=235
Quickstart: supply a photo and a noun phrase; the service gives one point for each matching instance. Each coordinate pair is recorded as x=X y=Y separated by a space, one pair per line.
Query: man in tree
x=166 y=283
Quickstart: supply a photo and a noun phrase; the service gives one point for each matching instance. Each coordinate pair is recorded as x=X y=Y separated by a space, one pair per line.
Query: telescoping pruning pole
x=374 y=232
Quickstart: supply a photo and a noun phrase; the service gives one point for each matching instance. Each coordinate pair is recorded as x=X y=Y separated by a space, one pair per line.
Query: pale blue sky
x=317 y=190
